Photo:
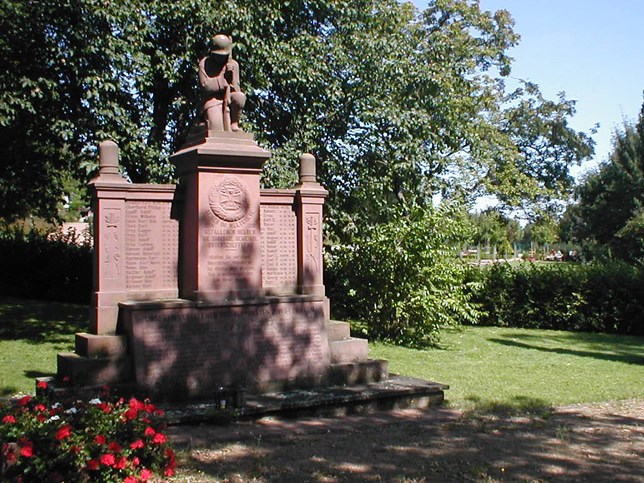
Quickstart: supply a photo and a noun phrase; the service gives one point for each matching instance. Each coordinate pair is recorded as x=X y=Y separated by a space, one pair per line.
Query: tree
x=542 y=231
x=538 y=178
x=397 y=104
x=608 y=216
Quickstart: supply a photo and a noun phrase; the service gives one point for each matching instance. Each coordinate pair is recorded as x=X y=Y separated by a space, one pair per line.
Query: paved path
x=595 y=443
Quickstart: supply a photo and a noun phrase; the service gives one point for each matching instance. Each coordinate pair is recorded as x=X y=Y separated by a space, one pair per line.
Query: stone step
x=364 y=372
x=348 y=350
x=79 y=370
x=392 y=393
x=337 y=330
x=99 y=346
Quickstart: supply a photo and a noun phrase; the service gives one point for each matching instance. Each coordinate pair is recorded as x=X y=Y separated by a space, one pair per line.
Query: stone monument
x=214 y=282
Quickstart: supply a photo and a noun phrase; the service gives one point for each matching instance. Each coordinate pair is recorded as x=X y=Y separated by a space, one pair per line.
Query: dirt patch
x=590 y=442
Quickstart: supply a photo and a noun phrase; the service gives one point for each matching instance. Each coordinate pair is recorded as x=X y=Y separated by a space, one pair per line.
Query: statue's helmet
x=221 y=44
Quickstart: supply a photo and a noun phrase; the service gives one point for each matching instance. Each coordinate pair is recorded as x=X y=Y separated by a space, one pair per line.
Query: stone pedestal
x=220 y=230
x=187 y=350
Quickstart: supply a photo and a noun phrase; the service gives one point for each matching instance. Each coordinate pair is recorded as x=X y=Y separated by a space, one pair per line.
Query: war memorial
x=212 y=289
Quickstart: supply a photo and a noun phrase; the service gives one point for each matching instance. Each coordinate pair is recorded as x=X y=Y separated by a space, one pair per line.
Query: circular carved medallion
x=228 y=199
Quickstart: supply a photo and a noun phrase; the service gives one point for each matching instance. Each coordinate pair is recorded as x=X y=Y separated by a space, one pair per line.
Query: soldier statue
x=223 y=100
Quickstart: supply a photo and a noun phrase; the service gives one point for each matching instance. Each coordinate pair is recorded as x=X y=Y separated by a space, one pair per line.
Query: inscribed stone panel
x=152 y=246
x=279 y=247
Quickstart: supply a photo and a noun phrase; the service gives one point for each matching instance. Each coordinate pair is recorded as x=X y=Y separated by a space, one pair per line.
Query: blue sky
x=590 y=49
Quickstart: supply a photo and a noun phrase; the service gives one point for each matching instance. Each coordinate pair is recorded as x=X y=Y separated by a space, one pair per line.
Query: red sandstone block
x=82 y=371
x=337 y=330
x=97 y=346
x=372 y=370
x=348 y=350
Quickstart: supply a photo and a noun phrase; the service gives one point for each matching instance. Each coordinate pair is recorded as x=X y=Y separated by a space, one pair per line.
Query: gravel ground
x=589 y=442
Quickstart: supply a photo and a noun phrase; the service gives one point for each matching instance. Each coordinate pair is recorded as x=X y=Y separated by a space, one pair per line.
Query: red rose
x=64 y=432
x=100 y=439
x=114 y=447
x=23 y=401
x=136 y=404
x=42 y=385
x=171 y=456
x=92 y=465
x=159 y=438
x=120 y=464
x=146 y=474
x=149 y=431
x=108 y=459
x=105 y=407
x=136 y=461
x=137 y=444
x=9 y=419
x=129 y=479
x=40 y=408
x=130 y=414
x=27 y=451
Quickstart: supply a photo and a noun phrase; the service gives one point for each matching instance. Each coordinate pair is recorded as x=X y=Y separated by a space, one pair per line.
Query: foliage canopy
x=397 y=104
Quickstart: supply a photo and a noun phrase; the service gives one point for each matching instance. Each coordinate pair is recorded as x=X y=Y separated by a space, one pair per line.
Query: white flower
x=54 y=418
x=71 y=410
x=56 y=405
x=95 y=401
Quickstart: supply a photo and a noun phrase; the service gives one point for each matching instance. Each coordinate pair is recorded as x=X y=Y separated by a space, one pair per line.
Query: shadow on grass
x=6 y=391
x=613 y=355
x=510 y=406
x=35 y=374
x=38 y=322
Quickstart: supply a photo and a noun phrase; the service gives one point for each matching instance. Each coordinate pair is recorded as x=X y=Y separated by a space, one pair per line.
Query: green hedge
x=36 y=266
x=605 y=297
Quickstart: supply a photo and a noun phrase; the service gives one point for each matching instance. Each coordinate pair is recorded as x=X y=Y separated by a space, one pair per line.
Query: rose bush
x=106 y=439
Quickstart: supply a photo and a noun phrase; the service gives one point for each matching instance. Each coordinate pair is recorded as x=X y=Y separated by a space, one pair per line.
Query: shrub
x=105 y=439
x=606 y=297
x=38 y=266
x=402 y=279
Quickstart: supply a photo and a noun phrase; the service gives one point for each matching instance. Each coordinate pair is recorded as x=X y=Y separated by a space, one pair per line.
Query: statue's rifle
x=226 y=105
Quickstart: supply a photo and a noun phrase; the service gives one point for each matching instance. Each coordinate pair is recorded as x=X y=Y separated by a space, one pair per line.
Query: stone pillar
x=220 y=254
x=136 y=242
x=108 y=206
x=310 y=196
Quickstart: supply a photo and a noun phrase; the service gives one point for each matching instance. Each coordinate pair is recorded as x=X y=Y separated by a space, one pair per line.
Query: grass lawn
x=485 y=367
x=503 y=368
x=31 y=334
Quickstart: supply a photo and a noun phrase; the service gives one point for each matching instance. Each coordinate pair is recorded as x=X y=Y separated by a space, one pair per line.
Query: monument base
x=187 y=350
x=184 y=350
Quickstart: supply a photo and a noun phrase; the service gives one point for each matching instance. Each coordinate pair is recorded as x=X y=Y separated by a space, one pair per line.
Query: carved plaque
x=112 y=245
x=152 y=246
x=312 y=242
x=229 y=248
x=279 y=247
